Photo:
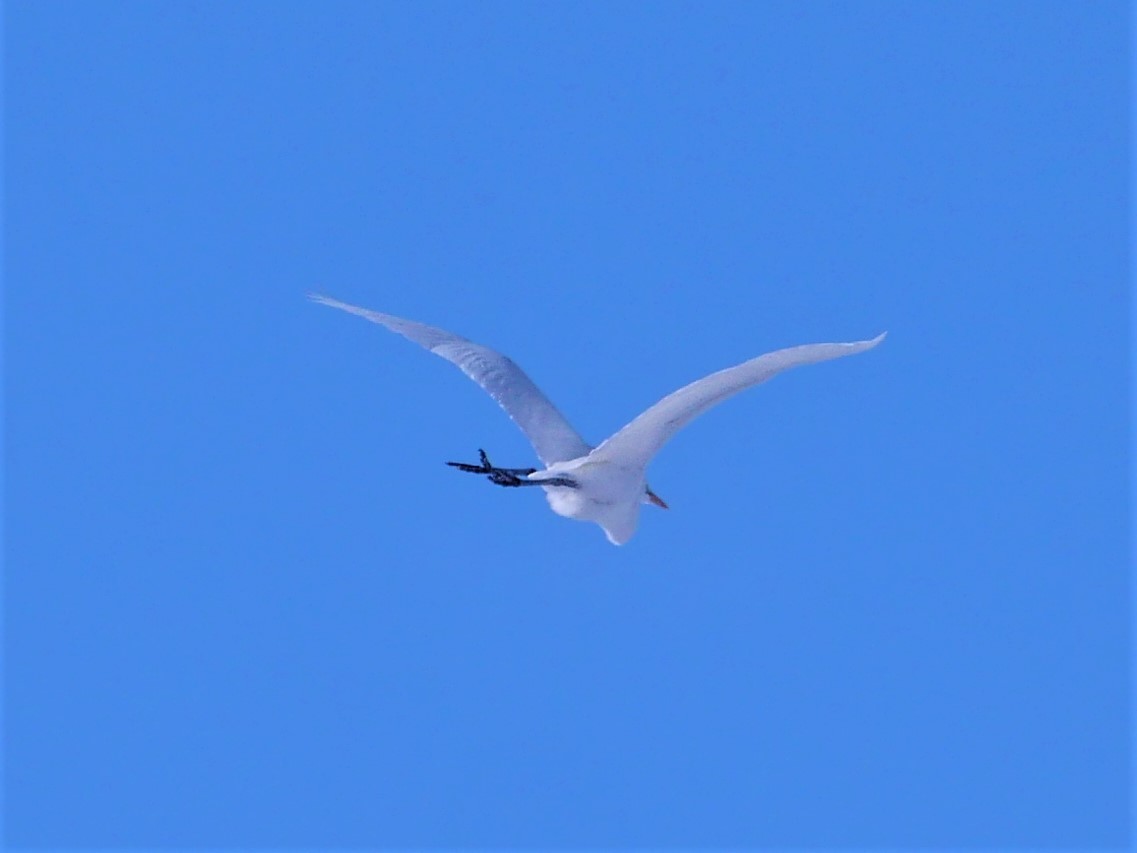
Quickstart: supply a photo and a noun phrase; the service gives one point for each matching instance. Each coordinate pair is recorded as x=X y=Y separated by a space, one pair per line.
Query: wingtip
x=320 y=299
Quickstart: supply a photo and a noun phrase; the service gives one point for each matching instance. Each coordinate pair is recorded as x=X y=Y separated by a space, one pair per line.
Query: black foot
x=499 y=476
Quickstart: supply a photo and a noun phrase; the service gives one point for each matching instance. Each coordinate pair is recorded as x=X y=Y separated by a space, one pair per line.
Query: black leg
x=551 y=481
x=508 y=476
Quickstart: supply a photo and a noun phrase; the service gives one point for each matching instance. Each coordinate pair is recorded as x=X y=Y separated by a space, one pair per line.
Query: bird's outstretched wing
x=546 y=428
x=640 y=440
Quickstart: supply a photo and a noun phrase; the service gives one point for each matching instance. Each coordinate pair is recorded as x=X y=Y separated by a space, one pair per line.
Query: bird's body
x=608 y=483
x=606 y=492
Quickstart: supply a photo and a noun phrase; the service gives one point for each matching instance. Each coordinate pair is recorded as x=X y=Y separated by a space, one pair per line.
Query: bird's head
x=651 y=497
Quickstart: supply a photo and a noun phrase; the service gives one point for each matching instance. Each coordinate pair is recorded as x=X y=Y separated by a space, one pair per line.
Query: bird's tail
x=621 y=526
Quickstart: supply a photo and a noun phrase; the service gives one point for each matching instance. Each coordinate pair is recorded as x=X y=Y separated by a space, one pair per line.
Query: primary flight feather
x=606 y=484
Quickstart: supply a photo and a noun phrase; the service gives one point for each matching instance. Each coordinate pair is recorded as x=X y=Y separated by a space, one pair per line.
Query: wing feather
x=641 y=439
x=548 y=431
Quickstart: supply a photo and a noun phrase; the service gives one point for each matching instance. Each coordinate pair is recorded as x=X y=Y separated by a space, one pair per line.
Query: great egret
x=605 y=484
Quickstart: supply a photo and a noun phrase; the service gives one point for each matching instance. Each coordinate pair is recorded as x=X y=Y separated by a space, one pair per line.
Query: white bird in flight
x=607 y=483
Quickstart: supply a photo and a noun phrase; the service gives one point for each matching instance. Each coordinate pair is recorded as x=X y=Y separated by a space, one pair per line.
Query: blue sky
x=247 y=605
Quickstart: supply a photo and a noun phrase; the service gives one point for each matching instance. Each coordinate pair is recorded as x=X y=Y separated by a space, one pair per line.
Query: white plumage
x=607 y=484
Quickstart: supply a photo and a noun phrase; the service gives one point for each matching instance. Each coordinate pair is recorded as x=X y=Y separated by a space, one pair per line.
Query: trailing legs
x=509 y=477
